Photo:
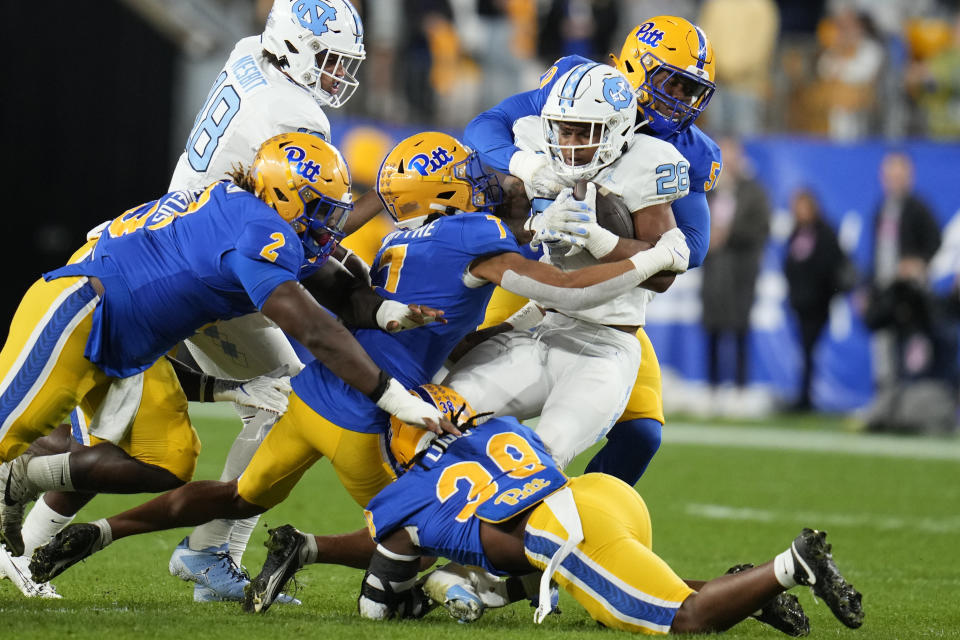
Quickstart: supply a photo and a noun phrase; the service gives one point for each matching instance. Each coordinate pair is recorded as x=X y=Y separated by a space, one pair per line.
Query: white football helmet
x=599 y=97
x=317 y=42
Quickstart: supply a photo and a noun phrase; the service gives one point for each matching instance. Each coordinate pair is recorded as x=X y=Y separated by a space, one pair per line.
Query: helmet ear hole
x=446 y=195
x=290 y=47
x=626 y=63
x=280 y=195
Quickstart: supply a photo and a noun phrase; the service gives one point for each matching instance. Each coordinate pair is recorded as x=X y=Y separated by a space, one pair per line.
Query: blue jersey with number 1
x=492 y=473
x=491 y=135
x=426 y=266
x=170 y=266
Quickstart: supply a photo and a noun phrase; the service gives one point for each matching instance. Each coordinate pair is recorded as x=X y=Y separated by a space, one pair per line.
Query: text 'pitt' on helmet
x=319 y=44
x=596 y=102
x=305 y=180
x=670 y=64
x=433 y=172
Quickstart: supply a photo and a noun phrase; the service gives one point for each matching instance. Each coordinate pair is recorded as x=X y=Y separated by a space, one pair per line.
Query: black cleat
x=283 y=560
x=814 y=566
x=70 y=546
x=783 y=613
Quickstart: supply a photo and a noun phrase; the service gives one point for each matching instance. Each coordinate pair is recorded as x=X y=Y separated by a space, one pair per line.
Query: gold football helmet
x=305 y=179
x=407 y=441
x=670 y=64
x=434 y=172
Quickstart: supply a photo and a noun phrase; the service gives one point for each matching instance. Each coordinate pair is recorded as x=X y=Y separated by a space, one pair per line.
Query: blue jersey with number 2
x=175 y=264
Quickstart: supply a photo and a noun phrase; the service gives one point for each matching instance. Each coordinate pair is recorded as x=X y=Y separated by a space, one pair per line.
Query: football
x=612 y=214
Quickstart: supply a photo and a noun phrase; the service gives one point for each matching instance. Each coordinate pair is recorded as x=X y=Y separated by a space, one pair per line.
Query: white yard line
x=874 y=522
x=918 y=447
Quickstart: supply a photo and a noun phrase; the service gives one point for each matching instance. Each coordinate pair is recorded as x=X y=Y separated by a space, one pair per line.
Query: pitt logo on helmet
x=308 y=169
x=648 y=35
x=425 y=166
x=314 y=15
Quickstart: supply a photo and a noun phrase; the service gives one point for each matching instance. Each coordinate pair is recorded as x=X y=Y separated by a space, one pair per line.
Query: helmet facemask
x=320 y=226
x=666 y=111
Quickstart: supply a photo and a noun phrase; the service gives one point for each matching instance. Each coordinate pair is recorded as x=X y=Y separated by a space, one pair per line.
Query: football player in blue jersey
x=494 y=498
x=451 y=254
x=163 y=269
x=670 y=64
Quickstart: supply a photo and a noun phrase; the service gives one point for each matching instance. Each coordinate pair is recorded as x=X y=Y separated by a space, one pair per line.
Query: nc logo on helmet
x=617 y=93
x=648 y=35
x=426 y=165
x=314 y=15
x=309 y=169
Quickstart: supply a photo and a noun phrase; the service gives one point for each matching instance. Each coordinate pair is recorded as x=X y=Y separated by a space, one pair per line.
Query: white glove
x=405 y=316
x=575 y=223
x=526 y=317
x=262 y=392
x=676 y=243
x=535 y=172
x=556 y=226
x=407 y=407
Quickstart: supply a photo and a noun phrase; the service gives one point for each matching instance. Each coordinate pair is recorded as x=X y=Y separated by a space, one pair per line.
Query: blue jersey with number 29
x=491 y=473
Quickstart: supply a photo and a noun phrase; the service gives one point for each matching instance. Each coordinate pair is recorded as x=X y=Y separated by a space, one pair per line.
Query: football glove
x=262 y=392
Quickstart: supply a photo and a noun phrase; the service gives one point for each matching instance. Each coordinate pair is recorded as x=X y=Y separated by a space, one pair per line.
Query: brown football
x=612 y=213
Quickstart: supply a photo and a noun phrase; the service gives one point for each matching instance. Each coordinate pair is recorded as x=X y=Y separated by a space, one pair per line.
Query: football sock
x=106 y=533
x=783 y=569
x=215 y=533
x=51 y=473
x=41 y=525
x=308 y=552
x=240 y=536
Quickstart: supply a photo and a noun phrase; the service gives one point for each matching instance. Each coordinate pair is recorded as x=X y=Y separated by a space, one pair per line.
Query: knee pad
x=389 y=587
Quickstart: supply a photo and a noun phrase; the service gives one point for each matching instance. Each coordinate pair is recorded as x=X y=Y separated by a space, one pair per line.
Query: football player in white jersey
x=577 y=368
x=278 y=82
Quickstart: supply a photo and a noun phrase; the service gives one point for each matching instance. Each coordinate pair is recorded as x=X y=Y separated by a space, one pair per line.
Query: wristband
x=382 y=381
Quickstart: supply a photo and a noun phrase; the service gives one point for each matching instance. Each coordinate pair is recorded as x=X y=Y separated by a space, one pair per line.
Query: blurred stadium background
x=100 y=98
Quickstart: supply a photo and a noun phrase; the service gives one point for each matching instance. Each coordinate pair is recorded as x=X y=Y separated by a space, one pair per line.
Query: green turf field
x=719 y=494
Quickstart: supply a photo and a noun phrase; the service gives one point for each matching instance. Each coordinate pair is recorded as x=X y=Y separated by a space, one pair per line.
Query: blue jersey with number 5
x=491 y=135
x=175 y=264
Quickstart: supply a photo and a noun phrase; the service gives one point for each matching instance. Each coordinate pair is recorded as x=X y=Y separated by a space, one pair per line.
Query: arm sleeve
x=567 y=298
x=257 y=277
x=350 y=298
x=491 y=132
x=693 y=218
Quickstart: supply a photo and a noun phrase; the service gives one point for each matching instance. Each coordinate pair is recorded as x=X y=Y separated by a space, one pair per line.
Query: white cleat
x=17 y=571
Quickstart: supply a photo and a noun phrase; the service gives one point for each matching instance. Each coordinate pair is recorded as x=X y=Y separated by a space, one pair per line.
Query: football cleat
x=814 y=567
x=16 y=570
x=216 y=575
x=465 y=593
x=70 y=546
x=783 y=613
x=18 y=491
x=283 y=560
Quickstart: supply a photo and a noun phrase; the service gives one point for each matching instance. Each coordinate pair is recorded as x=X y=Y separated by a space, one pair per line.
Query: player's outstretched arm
x=578 y=289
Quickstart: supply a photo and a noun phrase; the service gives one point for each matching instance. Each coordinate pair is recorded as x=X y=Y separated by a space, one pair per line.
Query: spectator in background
x=906 y=236
x=816 y=269
x=935 y=84
x=578 y=27
x=848 y=70
x=744 y=36
x=740 y=223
